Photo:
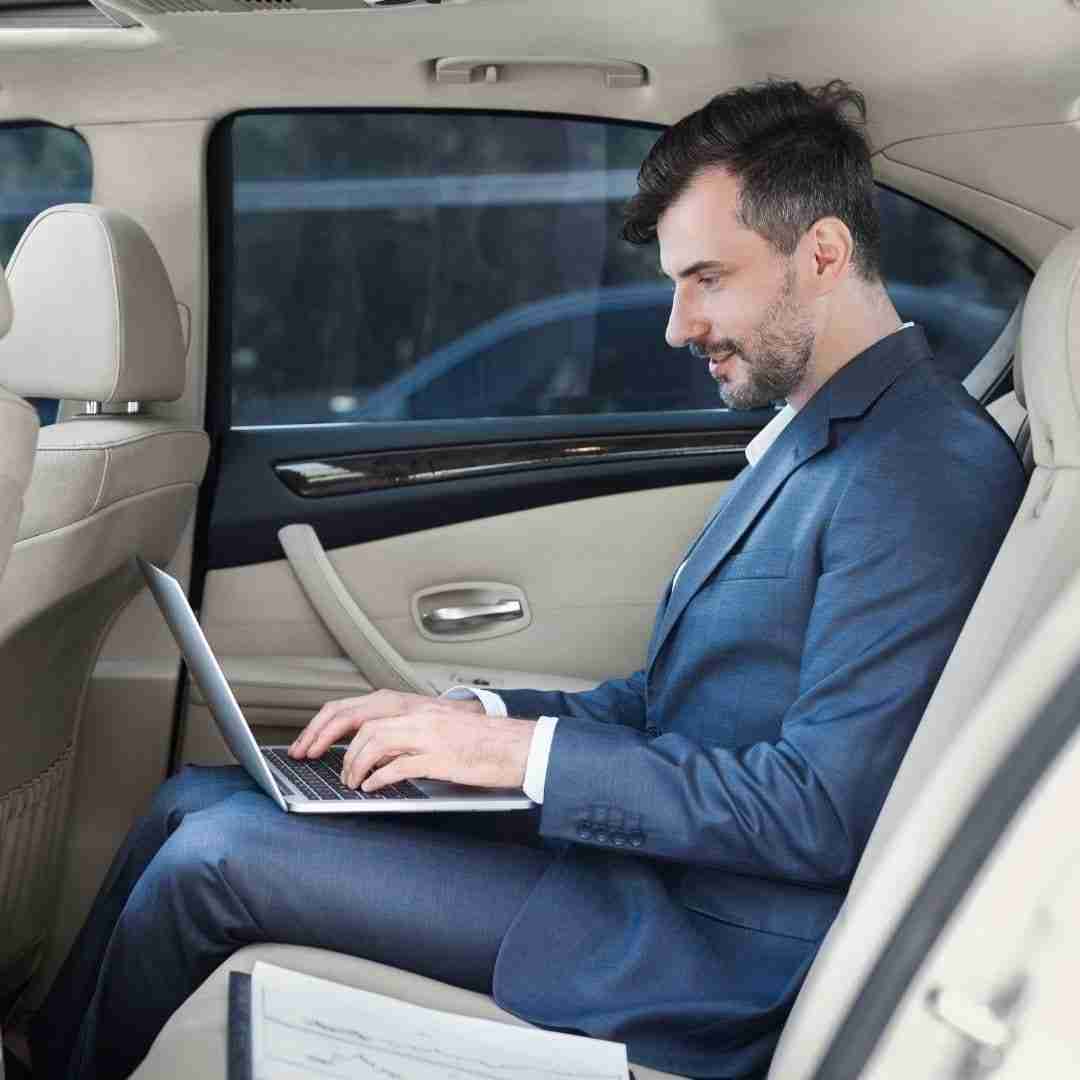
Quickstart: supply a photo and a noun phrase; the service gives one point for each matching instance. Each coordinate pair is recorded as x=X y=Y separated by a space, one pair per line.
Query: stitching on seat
x=143 y=436
x=108 y=509
x=101 y=486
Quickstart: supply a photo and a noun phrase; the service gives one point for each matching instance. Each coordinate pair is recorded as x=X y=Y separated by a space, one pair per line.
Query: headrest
x=1050 y=354
x=97 y=315
x=5 y=304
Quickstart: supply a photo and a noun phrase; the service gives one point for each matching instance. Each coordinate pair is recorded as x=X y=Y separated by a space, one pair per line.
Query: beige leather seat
x=18 y=436
x=97 y=322
x=1041 y=553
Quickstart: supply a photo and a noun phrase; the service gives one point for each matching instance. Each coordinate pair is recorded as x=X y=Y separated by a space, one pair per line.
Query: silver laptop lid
x=209 y=677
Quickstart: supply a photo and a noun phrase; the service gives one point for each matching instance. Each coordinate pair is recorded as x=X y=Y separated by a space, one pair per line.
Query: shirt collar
x=756 y=447
x=760 y=443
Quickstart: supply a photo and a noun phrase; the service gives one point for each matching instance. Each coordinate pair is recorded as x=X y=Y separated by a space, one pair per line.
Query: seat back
x=1040 y=554
x=18 y=436
x=97 y=322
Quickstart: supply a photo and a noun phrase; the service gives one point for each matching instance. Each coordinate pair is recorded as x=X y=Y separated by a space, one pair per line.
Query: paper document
x=304 y=1027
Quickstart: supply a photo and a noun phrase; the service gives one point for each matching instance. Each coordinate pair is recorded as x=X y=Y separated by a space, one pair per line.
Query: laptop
x=302 y=787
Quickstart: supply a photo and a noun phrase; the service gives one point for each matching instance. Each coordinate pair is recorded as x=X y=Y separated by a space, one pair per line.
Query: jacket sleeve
x=617 y=701
x=900 y=565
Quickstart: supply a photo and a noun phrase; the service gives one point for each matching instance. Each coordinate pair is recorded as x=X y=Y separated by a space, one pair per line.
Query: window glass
x=40 y=166
x=420 y=266
x=956 y=284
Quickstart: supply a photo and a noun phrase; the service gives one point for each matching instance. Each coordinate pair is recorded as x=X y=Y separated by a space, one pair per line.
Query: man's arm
x=414 y=724
x=617 y=701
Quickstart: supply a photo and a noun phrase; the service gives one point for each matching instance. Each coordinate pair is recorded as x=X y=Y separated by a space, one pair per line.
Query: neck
x=852 y=321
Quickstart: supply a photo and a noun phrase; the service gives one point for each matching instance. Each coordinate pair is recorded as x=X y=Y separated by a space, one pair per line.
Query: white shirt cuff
x=537 y=764
x=539 y=748
x=493 y=704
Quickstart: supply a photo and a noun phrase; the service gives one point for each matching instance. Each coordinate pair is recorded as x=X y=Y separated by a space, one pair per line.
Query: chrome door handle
x=451 y=620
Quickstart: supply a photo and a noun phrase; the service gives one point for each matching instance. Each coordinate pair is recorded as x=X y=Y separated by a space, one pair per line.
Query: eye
x=709 y=281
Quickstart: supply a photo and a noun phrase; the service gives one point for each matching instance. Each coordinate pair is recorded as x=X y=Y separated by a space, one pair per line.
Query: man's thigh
x=437 y=901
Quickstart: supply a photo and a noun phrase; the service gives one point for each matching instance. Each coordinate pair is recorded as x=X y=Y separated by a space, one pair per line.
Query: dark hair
x=795 y=155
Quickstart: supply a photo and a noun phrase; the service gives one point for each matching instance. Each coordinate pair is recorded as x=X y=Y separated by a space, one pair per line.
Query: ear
x=831 y=249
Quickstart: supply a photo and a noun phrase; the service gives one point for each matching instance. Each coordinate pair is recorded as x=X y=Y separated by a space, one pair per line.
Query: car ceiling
x=929 y=70
x=927 y=67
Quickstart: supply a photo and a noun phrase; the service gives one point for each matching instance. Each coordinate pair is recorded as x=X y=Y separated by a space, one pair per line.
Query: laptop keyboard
x=321 y=778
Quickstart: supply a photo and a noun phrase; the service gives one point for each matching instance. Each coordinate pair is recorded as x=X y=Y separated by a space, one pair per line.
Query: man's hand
x=405 y=736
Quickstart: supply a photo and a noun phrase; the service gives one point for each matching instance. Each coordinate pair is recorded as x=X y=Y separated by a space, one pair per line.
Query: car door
x=434 y=356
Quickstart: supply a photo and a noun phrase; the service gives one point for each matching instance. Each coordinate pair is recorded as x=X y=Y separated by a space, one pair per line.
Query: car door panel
x=592 y=570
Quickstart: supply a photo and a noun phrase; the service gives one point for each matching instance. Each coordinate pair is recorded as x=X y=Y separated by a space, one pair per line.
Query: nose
x=684 y=324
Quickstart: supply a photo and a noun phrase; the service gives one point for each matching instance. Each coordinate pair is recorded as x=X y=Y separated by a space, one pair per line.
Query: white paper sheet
x=303 y=1027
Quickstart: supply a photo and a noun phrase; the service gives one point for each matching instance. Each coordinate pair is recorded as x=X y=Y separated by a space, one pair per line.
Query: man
x=700 y=819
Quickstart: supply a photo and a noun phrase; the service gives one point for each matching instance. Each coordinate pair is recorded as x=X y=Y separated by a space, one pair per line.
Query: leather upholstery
x=1018 y=375
x=97 y=316
x=18 y=433
x=1051 y=328
x=6 y=312
x=101 y=325
x=1041 y=553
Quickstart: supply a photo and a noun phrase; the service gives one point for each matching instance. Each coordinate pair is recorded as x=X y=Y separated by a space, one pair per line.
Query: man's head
x=764 y=206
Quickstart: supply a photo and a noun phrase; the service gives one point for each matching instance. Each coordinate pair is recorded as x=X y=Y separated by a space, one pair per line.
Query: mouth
x=716 y=361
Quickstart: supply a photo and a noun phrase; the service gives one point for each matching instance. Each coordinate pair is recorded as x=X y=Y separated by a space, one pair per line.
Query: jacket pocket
x=774 y=907
x=757 y=562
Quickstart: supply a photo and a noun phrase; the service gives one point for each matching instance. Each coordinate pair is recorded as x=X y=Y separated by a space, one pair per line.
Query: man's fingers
x=316 y=724
x=403 y=767
x=316 y=737
x=339 y=729
x=378 y=741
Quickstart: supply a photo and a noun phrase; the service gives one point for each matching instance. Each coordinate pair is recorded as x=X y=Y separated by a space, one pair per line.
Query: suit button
x=583 y=831
x=637 y=839
x=618 y=839
x=601 y=836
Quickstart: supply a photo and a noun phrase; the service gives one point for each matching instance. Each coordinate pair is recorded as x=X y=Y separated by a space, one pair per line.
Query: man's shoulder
x=926 y=412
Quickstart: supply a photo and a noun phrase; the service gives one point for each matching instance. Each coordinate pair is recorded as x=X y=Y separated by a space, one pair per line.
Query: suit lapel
x=804 y=437
x=847 y=395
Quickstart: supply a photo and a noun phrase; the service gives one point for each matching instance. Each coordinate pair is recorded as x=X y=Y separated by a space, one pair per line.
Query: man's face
x=736 y=302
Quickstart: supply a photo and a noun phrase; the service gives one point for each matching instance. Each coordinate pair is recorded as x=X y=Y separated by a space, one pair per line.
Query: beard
x=774 y=356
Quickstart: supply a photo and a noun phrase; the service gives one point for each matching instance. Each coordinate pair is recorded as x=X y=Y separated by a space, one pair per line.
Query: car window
x=415 y=266
x=959 y=286
x=40 y=166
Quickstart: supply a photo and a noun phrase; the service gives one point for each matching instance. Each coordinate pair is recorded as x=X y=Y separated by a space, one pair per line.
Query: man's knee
x=194 y=788
x=188 y=882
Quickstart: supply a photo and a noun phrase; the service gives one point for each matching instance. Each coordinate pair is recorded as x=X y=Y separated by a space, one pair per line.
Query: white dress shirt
x=544 y=732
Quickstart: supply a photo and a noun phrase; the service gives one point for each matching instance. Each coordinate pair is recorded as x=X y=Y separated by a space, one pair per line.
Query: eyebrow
x=698 y=267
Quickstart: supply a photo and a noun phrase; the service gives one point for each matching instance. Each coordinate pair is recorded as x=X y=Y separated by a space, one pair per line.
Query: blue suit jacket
x=715 y=803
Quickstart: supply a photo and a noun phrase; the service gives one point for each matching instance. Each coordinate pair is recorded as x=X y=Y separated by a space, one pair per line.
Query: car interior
x=322 y=306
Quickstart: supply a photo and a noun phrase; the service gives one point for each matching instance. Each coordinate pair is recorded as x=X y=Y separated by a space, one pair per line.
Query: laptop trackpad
x=440 y=789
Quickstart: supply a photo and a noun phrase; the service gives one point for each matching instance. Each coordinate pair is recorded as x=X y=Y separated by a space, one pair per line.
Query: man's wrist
x=519 y=736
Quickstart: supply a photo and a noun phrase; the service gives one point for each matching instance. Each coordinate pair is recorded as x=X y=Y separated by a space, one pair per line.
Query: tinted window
x=414 y=266
x=956 y=284
x=420 y=266
x=40 y=166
